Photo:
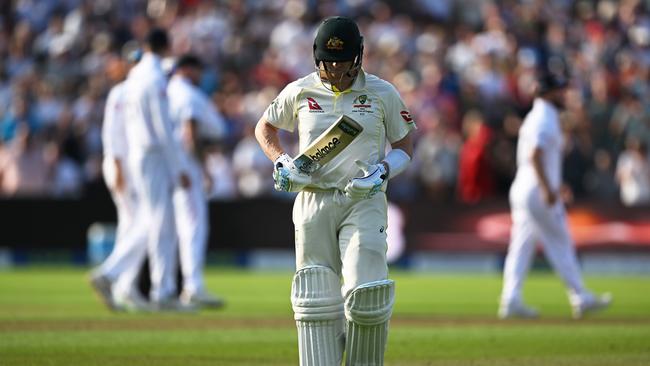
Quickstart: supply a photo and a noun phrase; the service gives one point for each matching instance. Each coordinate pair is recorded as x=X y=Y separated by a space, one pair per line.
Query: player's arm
x=159 y=109
x=538 y=165
x=191 y=138
x=395 y=162
x=404 y=148
x=285 y=174
x=120 y=182
x=267 y=137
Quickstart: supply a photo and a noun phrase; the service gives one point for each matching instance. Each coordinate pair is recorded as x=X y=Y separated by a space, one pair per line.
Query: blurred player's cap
x=157 y=40
x=338 y=39
x=548 y=81
x=188 y=60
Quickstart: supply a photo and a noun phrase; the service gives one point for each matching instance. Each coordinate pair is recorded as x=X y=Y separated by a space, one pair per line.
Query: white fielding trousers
x=121 y=258
x=191 y=214
x=534 y=221
x=153 y=232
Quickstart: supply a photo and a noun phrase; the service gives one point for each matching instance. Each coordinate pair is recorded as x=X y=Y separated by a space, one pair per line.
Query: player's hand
x=208 y=182
x=185 y=181
x=567 y=194
x=286 y=176
x=375 y=176
x=549 y=196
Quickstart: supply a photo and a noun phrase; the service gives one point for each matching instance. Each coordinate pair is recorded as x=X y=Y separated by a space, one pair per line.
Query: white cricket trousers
x=154 y=226
x=533 y=221
x=346 y=236
x=121 y=258
x=191 y=213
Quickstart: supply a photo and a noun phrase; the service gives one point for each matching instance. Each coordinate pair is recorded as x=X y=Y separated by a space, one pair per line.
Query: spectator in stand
x=633 y=173
x=24 y=170
x=445 y=57
x=475 y=176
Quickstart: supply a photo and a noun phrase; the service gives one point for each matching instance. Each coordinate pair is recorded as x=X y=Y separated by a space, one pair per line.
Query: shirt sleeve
x=281 y=113
x=398 y=119
x=538 y=136
x=211 y=121
x=113 y=135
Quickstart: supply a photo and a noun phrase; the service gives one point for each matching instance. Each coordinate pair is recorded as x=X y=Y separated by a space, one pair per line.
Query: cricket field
x=50 y=316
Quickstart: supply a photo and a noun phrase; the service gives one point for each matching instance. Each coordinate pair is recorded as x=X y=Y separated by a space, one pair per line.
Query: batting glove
x=286 y=176
x=368 y=185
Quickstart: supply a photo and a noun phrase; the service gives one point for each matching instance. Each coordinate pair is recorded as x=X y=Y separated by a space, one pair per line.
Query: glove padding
x=286 y=177
x=368 y=185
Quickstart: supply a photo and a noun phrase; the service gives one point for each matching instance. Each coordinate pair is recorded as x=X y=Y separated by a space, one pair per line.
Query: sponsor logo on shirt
x=407 y=116
x=314 y=107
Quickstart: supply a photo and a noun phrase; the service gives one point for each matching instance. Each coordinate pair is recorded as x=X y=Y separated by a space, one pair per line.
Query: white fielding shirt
x=311 y=107
x=188 y=102
x=541 y=129
x=147 y=108
x=113 y=129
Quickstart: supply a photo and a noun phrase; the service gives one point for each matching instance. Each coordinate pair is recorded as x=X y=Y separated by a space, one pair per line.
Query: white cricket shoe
x=517 y=310
x=172 y=304
x=592 y=304
x=102 y=286
x=202 y=299
x=131 y=301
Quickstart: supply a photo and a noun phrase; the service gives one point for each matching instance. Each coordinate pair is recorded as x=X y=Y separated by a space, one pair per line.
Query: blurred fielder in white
x=196 y=120
x=119 y=182
x=538 y=209
x=155 y=161
x=340 y=211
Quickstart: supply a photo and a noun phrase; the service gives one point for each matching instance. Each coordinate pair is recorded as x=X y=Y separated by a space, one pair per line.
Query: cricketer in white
x=195 y=119
x=104 y=279
x=154 y=159
x=341 y=295
x=538 y=211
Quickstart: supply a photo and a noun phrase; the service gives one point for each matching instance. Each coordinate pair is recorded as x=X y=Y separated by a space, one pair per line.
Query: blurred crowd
x=466 y=68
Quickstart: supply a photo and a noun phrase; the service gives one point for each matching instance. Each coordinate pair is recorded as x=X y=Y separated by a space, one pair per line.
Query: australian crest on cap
x=334 y=43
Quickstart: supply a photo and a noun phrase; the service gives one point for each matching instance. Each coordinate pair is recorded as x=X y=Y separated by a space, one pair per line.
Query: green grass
x=49 y=316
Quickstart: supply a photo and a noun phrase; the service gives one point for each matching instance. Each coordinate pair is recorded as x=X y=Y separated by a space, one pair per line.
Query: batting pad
x=368 y=309
x=318 y=311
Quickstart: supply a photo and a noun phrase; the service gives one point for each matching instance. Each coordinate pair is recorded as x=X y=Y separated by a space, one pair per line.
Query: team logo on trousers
x=314 y=107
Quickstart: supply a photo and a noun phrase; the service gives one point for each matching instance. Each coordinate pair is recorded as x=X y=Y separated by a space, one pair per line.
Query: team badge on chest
x=362 y=105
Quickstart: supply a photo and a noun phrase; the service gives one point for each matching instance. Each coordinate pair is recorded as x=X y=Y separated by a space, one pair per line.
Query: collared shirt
x=149 y=126
x=113 y=129
x=541 y=129
x=372 y=102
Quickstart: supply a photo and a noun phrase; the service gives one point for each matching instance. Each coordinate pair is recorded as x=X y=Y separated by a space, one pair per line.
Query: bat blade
x=328 y=145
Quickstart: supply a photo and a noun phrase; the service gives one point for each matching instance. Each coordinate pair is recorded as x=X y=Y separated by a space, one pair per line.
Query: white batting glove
x=286 y=176
x=375 y=176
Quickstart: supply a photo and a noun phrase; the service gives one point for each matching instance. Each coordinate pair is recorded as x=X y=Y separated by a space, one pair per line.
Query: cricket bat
x=328 y=145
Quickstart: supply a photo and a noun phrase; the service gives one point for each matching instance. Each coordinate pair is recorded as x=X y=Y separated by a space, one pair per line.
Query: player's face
x=558 y=98
x=194 y=74
x=338 y=73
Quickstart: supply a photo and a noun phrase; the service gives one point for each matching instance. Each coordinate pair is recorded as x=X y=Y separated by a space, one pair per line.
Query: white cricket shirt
x=113 y=133
x=150 y=127
x=311 y=107
x=188 y=102
x=541 y=128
